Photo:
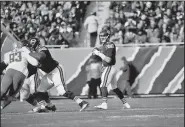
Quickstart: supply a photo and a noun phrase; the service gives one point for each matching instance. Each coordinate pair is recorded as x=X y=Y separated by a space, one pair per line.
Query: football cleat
x=126 y=105
x=102 y=106
x=83 y=105
x=51 y=108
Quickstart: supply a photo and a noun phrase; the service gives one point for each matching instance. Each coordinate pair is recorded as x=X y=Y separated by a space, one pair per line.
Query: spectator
x=129 y=14
x=130 y=36
x=153 y=32
x=141 y=37
x=52 y=40
x=117 y=37
x=34 y=15
x=91 y=24
x=149 y=16
x=62 y=41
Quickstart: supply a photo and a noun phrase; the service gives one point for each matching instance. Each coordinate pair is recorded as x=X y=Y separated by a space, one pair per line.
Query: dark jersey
x=47 y=63
x=31 y=70
x=109 y=49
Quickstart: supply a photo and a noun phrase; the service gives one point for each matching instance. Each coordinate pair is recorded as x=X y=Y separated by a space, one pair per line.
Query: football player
x=15 y=62
x=107 y=52
x=53 y=73
x=29 y=87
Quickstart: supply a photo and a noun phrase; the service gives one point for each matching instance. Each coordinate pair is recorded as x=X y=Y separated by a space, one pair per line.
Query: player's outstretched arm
x=32 y=61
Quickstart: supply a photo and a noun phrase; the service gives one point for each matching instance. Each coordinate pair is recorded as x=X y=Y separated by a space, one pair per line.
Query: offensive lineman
x=54 y=74
x=15 y=62
x=107 y=52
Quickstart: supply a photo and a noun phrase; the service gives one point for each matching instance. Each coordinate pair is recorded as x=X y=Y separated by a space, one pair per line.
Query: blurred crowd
x=146 y=22
x=55 y=23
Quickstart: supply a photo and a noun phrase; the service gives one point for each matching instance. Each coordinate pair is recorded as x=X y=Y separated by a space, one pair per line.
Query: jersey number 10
x=15 y=57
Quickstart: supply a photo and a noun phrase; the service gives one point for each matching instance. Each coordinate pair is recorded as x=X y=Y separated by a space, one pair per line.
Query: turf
x=145 y=112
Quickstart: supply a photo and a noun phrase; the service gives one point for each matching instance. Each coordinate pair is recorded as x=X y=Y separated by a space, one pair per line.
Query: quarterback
x=107 y=52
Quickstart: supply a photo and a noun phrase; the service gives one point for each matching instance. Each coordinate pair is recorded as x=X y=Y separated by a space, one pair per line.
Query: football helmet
x=34 y=43
x=104 y=35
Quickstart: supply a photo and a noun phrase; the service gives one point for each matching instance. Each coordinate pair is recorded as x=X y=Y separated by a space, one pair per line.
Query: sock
x=104 y=99
x=104 y=92
x=120 y=95
x=123 y=100
x=77 y=100
x=69 y=95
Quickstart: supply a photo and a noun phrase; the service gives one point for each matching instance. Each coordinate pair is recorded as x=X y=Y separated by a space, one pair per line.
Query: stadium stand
x=55 y=23
x=59 y=23
x=146 y=22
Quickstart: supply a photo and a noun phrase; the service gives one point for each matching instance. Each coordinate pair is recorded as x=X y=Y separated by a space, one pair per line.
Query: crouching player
x=54 y=74
x=108 y=77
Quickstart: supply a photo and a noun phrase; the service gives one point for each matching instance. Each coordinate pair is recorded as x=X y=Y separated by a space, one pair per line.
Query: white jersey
x=18 y=60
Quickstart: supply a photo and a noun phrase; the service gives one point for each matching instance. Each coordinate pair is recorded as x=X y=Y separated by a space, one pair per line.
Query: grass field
x=145 y=112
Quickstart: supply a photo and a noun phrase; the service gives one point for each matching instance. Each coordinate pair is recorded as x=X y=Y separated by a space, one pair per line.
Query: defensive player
x=108 y=56
x=15 y=62
x=54 y=74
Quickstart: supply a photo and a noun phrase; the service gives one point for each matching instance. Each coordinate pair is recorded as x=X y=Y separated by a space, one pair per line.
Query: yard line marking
x=153 y=109
x=147 y=116
x=88 y=111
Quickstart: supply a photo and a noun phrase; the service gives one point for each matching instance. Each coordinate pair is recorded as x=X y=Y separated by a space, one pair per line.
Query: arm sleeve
x=32 y=60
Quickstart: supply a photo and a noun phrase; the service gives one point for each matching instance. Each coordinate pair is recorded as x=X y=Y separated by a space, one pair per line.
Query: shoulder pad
x=42 y=48
x=24 y=49
x=110 y=45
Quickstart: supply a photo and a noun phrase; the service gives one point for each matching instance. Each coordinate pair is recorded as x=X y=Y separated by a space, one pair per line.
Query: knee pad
x=69 y=95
